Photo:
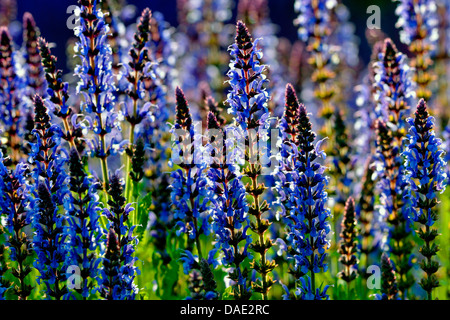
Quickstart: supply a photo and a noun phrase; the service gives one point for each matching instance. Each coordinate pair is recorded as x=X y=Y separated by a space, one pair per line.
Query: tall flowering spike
x=47 y=144
x=48 y=220
x=155 y=132
x=36 y=79
x=15 y=204
x=11 y=114
x=83 y=225
x=418 y=21
x=57 y=91
x=97 y=84
x=247 y=102
x=118 y=215
x=190 y=194
x=347 y=247
x=426 y=178
x=389 y=289
x=229 y=210
x=138 y=73
x=303 y=197
x=289 y=133
x=393 y=88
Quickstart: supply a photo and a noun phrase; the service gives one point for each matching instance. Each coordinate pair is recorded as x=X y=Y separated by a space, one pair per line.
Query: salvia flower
x=446 y=135
x=58 y=95
x=137 y=72
x=426 y=178
x=15 y=197
x=96 y=83
x=118 y=214
x=389 y=290
x=247 y=101
x=83 y=224
x=52 y=193
x=393 y=88
x=392 y=184
x=304 y=199
x=417 y=19
x=229 y=208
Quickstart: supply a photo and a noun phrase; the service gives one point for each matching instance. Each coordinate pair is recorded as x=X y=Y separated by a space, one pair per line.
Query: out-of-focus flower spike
x=365 y=213
x=8 y=12
x=393 y=89
x=418 y=21
x=11 y=113
x=35 y=78
x=347 y=247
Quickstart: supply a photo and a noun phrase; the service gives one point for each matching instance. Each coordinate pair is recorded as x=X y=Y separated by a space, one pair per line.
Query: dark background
x=51 y=17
